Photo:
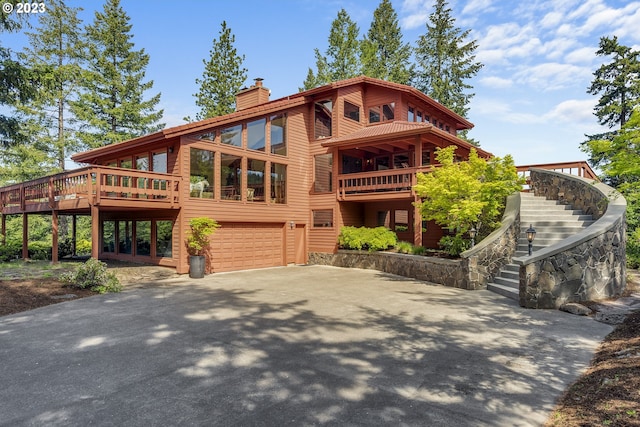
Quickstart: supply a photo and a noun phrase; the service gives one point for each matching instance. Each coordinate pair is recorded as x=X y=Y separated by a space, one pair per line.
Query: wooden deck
x=79 y=189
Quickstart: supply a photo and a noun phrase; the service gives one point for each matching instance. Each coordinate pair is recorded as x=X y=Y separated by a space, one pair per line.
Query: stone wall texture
x=588 y=266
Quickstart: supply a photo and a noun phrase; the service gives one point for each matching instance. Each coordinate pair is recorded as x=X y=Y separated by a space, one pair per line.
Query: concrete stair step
x=504 y=281
x=504 y=291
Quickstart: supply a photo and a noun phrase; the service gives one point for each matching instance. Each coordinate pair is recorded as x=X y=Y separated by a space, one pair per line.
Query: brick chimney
x=250 y=97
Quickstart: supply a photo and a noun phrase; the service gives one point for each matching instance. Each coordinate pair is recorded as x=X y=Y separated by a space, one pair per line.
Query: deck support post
x=73 y=234
x=54 y=237
x=3 y=228
x=417 y=216
x=95 y=234
x=25 y=236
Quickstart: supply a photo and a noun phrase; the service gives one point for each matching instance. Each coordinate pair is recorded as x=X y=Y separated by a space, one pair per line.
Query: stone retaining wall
x=472 y=271
x=590 y=265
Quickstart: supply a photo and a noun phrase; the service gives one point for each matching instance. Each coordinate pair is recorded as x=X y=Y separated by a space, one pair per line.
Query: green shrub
x=404 y=248
x=10 y=251
x=419 y=250
x=633 y=249
x=92 y=275
x=371 y=239
x=40 y=251
x=454 y=245
x=65 y=247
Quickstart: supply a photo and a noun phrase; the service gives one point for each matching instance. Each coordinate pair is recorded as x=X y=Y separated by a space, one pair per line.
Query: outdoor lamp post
x=531 y=234
x=472 y=234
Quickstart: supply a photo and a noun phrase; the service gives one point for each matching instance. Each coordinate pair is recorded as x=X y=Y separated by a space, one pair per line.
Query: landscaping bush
x=92 y=275
x=404 y=248
x=83 y=247
x=371 y=239
x=454 y=245
x=633 y=249
x=40 y=251
x=10 y=251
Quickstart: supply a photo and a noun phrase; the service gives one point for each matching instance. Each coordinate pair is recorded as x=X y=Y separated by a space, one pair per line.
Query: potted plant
x=198 y=244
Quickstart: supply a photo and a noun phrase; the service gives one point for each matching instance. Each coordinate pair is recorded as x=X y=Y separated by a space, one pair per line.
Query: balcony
x=92 y=186
x=383 y=184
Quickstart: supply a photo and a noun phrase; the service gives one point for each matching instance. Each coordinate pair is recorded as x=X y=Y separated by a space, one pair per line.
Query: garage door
x=241 y=246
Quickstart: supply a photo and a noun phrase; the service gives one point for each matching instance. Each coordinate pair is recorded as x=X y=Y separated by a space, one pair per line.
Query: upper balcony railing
x=95 y=184
x=382 y=181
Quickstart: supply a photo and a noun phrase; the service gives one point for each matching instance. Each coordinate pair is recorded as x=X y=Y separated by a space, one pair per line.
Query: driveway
x=290 y=346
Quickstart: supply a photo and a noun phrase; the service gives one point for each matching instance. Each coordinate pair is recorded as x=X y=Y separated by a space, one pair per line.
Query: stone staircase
x=553 y=223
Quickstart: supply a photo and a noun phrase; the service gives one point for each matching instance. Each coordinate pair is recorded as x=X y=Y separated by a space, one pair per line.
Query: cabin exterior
x=280 y=176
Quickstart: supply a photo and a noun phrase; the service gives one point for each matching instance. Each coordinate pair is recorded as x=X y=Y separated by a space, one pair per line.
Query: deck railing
x=94 y=183
x=383 y=181
x=581 y=169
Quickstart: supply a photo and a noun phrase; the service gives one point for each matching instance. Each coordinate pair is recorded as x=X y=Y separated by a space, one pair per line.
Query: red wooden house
x=280 y=176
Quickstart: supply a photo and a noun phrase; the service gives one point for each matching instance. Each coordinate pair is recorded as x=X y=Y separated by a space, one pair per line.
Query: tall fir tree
x=618 y=82
x=341 y=60
x=54 y=49
x=384 y=55
x=111 y=105
x=446 y=61
x=223 y=77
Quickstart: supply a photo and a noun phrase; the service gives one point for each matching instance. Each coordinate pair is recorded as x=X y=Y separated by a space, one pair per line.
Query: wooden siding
x=245 y=211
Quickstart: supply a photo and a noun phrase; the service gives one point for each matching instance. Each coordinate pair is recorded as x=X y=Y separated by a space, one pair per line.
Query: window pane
x=419 y=119
x=124 y=236
x=109 y=236
x=411 y=115
x=210 y=136
x=351 y=111
x=374 y=115
x=230 y=177
x=160 y=162
x=401 y=160
x=323 y=110
x=278 y=135
x=278 y=183
x=323 y=173
x=143 y=238
x=323 y=218
x=256 y=134
x=388 y=110
x=232 y=136
x=255 y=180
x=201 y=174
x=164 y=239
x=426 y=158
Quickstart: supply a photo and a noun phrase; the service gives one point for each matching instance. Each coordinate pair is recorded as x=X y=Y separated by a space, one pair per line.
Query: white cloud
x=553 y=76
x=583 y=55
x=477 y=6
x=416 y=13
x=573 y=111
x=551 y=19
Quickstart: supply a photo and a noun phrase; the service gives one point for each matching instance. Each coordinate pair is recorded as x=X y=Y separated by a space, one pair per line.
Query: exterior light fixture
x=472 y=234
x=531 y=234
x=292 y=224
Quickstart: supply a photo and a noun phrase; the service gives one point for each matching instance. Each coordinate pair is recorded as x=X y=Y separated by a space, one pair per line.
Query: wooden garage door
x=241 y=246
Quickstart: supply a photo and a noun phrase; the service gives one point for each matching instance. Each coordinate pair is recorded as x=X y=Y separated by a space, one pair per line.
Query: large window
x=322 y=218
x=323 y=173
x=382 y=113
x=351 y=111
x=143 y=238
x=201 y=173
x=255 y=180
x=164 y=239
x=159 y=161
x=232 y=136
x=322 y=121
x=278 y=183
x=256 y=134
x=230 y=176
x=279 y=134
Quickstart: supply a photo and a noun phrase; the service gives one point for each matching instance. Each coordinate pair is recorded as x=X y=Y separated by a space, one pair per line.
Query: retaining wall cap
x=616 y=208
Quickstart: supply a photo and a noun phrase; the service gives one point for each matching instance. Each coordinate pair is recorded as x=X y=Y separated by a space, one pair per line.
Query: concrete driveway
x=290 y=346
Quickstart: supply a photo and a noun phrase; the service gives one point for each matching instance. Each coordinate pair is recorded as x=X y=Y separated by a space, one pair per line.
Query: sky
x=530 y=100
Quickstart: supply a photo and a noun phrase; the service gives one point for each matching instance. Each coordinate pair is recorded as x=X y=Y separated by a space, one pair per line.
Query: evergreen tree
x=17 y=83
x=446 y=61
x=111 y=105
x=617 y=81
x=341 y=60
x=55 y=49
x=383 y=55
x=223 y=77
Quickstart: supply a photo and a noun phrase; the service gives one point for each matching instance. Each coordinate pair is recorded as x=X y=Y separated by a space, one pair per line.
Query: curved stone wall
x=590 y=265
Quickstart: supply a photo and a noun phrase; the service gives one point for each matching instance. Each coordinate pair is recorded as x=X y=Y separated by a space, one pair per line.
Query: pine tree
x=384 y=55
x=111 y=105
x=17 y=84
x=446 y=61
x=617 y=81
x=55 y=49
x=223 y=77
x=341 y=60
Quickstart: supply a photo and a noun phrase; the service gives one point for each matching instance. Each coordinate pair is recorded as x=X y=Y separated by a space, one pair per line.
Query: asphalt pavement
x=290 y=346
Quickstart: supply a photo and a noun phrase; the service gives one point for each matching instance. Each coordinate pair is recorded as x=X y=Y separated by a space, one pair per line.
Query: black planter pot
x=196 y=266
